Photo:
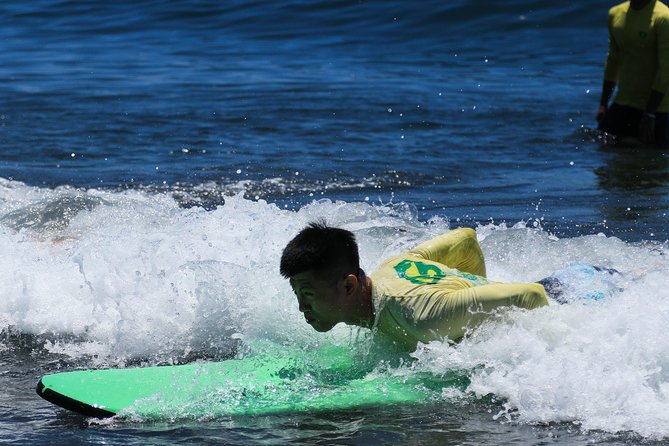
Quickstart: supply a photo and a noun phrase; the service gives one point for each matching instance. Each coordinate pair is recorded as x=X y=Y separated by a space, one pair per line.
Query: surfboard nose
x=70 y=404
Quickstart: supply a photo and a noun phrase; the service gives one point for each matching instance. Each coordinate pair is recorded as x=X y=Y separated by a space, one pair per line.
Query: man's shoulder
x=661 y=11
x=387 y=263
x=620 y=8
x=410 y=256
x=392 y=259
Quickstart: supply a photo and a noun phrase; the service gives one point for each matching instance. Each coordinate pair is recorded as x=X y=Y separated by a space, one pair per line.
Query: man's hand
x=607 y=92
x=647 y=128
x=601 y=114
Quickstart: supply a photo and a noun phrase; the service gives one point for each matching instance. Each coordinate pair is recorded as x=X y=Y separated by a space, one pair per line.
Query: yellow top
x=638 y=58
x=439 y=290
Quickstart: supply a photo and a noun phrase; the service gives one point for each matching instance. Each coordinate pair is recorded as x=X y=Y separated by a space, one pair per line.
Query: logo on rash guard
x=419 y=272
x=426 y=274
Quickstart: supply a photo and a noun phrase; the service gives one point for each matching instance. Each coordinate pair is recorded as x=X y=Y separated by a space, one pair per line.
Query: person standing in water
x=638 y=64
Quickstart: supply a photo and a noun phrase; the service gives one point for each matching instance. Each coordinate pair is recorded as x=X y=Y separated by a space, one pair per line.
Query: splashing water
x=120 y=276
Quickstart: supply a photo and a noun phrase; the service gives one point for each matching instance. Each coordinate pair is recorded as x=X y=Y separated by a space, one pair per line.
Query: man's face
x=322 y=302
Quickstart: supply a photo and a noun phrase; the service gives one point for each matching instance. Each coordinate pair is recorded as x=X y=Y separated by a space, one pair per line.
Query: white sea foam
x=133 y=274
x=603 y=365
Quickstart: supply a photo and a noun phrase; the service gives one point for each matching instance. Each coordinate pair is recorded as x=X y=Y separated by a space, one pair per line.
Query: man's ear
x=350 y=284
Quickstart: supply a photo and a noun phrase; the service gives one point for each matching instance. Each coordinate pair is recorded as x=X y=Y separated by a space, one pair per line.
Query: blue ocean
x=156 y=156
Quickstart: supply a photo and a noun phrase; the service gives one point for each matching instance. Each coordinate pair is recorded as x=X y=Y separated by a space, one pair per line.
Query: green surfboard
x=274 y=380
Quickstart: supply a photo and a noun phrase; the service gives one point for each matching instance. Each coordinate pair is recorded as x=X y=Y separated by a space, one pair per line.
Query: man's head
x=330 y=252
x=323 y=266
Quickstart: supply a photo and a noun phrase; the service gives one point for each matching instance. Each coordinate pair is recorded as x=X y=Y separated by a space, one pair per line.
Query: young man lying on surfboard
x=437 y=290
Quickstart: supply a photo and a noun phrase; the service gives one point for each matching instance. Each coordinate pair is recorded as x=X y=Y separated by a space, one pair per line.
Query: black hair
x=329 y=252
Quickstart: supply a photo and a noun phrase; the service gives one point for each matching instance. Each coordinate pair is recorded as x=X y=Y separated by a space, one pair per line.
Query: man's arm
x=457 y=249
x=647 y=123
x=607 y=92
x=610 y=73
x=451 y=314
x=660 y=83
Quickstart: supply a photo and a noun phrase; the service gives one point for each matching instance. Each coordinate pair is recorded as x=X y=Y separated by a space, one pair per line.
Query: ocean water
x=157 y=156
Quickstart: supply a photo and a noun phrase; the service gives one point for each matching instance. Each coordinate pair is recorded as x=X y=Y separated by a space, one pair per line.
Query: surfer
x=437 y=290
x=638 y=63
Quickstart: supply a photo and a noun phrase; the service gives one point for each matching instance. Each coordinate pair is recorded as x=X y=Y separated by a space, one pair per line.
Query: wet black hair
x=330 y=252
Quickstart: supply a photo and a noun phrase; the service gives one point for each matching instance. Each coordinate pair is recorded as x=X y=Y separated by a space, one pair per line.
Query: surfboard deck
x=104 y=393
x=256 y=385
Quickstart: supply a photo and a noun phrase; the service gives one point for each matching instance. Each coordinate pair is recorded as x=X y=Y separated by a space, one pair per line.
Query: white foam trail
x=603 y=365
x=136 y=275
x=133 y=274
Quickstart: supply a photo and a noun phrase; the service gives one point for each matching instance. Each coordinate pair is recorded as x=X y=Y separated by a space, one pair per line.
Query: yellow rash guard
x=638 y=57
x=439 y=290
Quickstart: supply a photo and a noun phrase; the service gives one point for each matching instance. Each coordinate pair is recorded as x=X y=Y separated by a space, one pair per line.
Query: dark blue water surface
x=472 y=111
